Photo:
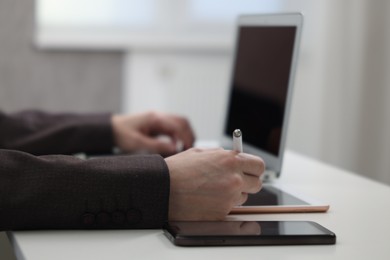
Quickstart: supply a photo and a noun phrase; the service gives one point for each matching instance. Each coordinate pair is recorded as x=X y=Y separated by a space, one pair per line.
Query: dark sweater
x=42 y=188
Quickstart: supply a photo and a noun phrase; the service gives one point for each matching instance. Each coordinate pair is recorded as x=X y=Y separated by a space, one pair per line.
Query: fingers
x=177 y=128
x=245 y=170
x=184 y=132
x=250 y=164
x=249 y=185
x=252 y=184
x=163 y=147
x=252 y=167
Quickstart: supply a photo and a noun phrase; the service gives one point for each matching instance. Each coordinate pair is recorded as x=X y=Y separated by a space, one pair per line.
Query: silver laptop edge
x=273 y=162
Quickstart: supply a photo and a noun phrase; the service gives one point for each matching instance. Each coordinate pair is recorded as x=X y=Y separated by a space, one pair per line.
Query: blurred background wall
x=174 y=55
x=341 y=110
x=53 y=80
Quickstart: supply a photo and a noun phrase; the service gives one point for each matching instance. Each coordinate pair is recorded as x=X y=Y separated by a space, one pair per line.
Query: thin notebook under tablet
x=259 y=102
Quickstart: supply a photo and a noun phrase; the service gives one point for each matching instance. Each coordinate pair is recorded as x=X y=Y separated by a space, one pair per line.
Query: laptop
x=260 y=94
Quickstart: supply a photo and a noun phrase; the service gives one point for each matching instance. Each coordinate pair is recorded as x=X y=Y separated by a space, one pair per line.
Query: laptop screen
x=260 y=85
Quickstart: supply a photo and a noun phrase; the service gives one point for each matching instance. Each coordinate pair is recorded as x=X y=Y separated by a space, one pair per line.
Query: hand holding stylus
x=207 y=183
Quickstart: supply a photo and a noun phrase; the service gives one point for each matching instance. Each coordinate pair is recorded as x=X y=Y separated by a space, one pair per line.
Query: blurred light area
x=227 y=10
x=153 y=15
x=96 y=13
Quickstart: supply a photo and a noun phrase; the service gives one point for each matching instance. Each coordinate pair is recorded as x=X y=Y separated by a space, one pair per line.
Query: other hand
x=142 y=132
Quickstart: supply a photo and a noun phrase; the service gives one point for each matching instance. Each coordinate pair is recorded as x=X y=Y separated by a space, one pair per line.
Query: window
x=177 y=16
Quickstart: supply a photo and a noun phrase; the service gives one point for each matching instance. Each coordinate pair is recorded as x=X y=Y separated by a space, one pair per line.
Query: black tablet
x=245 y=233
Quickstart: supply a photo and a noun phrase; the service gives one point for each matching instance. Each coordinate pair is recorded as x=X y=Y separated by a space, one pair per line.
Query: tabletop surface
x=359 y=214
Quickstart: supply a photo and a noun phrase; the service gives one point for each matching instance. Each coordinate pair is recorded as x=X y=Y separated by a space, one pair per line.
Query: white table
x=359 y=215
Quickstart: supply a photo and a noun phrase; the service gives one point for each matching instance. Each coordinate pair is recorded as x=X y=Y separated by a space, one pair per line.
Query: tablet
x=279 y=199
x=247 y=233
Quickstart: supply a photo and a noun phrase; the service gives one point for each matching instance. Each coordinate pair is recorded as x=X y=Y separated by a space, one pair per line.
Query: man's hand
x=143 y=131
x=207 y=184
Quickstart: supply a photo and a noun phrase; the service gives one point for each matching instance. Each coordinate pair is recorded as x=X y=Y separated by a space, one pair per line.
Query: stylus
x=237 y=140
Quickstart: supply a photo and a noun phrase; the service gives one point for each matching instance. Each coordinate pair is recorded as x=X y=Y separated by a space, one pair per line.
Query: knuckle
x=235 y=182
x=230 y=161
x=196 y=149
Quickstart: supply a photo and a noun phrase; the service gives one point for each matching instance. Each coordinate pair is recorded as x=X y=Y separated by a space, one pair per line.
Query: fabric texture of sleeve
x=64 y=192
x=41 y=133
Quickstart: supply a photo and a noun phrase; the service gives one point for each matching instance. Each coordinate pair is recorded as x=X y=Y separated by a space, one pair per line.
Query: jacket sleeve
x=41 y=133
x=64 y=192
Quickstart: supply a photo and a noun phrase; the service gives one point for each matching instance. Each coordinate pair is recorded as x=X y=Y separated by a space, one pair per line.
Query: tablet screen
x=271 y=196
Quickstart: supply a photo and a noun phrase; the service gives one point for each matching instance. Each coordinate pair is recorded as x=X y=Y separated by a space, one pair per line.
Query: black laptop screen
x=260 y=83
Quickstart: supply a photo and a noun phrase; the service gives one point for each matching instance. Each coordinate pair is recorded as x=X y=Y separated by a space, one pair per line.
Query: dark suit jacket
x=41 y=188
